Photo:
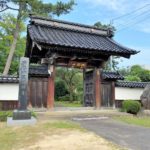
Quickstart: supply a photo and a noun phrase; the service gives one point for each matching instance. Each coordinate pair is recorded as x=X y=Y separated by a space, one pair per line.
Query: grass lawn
x=51 y=135
x=135 y=120
x=67 y=104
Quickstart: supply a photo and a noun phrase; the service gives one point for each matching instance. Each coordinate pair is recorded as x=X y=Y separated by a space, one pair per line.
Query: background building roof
x=111 y=75
x=131 y=84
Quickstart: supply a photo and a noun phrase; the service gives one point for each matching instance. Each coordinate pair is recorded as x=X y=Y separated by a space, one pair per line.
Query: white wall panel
x=9 y=91
x=124 y=93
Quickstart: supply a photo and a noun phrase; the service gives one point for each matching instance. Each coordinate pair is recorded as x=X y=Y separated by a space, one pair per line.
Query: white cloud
x=119 y=6
x=138 y=21
x=109 y=4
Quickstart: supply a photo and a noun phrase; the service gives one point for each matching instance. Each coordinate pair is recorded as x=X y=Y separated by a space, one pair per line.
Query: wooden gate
x=89 y=99
x=38 y=92
x=107 y=94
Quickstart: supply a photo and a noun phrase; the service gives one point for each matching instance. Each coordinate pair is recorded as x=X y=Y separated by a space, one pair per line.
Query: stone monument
x=22 y=116
x=145 y=97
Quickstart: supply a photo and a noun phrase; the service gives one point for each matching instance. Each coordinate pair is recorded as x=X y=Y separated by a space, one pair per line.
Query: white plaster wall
x=124 y=93
x=9 y=91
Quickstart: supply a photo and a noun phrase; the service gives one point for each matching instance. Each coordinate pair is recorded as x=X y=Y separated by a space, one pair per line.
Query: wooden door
x=107 y=95
x=38 y=92
x=89 y=97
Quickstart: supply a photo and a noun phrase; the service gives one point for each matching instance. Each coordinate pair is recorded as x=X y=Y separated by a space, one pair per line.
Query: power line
x=132 y=12
x=148 y=17
x=134 y=17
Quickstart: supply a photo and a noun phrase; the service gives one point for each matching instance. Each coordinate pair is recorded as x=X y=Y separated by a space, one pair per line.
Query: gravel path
x=129 y=136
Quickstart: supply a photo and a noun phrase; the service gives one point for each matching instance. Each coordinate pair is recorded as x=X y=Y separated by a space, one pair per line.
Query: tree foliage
x=73 y=80
x=60 y=88
x=24 y=7
x=104 y=26
x=7 y=26
x=136 y=73
x=37 y=7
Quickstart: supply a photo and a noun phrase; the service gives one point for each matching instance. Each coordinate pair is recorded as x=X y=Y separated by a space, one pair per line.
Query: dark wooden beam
x=49 y=60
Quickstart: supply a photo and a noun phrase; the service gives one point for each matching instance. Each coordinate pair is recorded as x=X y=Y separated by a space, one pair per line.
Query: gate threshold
x=88 y=118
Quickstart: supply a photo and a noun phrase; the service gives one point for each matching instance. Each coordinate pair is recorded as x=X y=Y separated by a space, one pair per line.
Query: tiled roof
x=131 y=84
x=34 y=71
x=9 y=79
x=70 y=25
x=38 y=71
x=51 y=33
x=111 y=75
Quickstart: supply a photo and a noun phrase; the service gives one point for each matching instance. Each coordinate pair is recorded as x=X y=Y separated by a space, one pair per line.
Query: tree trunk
x=71 y=93
x=14 y=43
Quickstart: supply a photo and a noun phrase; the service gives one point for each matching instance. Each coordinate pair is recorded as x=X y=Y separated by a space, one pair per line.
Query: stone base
x=21 y=114
x=12 y=122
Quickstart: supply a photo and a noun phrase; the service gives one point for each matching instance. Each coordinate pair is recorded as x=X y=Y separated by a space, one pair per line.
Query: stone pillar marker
x=22 y=116
x=23 y=82
x=22 y=112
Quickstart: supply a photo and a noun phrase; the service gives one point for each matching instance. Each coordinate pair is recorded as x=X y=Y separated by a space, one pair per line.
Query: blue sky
x=137 y=36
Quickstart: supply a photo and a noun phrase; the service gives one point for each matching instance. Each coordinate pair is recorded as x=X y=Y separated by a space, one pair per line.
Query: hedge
x=131 y=106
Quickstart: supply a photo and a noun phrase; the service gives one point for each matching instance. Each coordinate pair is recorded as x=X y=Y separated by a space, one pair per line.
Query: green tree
x=60 y=88
x=142 y=73
x=136 y=73
x=112 y=63
x=132 y=78
x=124 y=71
x=73 y=79
x=104 y=26
x=24 y=8
x=7 y=26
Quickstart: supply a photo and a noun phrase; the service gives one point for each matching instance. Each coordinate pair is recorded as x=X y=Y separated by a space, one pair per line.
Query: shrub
x=5 y=114
x=131 y=106
x=33 y=114
x=64 y=98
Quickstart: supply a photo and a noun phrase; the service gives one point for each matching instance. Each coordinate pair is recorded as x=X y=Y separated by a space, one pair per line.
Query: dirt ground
x=55 y=131
x=71 y=140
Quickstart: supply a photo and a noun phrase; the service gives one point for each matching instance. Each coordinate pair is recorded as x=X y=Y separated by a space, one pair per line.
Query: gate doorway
x=106 y=95
x=68 y=87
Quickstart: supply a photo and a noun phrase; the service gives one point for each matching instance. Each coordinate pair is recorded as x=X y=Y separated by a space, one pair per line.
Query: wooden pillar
x=97 y=88
x=84 y=90
x=51 y=88
x=113 y=93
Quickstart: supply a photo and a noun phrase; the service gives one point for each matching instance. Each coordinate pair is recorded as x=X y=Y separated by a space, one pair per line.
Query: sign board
x=23 y=82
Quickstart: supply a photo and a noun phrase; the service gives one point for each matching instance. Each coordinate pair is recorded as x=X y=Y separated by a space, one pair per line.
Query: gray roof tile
x=131 y=84
x=67 y=38
x=111 y=75
x=9 y=79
